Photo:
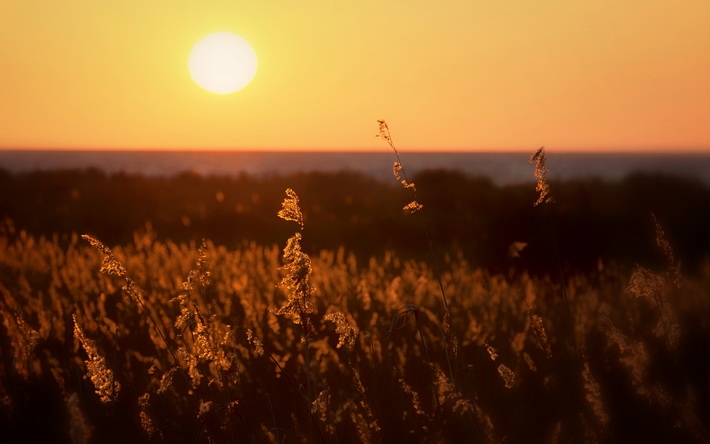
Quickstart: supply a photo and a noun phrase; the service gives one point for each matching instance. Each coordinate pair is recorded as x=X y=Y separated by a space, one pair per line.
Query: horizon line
x=683 y=151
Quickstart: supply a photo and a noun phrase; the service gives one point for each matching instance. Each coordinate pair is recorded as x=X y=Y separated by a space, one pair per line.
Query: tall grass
x=156 y=341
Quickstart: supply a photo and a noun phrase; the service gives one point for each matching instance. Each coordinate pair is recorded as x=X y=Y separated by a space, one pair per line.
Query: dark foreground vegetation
x=480 y=318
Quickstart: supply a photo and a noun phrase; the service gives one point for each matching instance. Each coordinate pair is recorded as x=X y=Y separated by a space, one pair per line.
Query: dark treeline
x=591 y=219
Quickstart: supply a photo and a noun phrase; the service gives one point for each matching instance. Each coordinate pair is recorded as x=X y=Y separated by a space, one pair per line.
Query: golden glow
x=498 y=75
x=222 y=63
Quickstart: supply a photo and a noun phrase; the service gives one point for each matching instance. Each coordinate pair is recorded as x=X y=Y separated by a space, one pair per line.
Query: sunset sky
x=615 y=75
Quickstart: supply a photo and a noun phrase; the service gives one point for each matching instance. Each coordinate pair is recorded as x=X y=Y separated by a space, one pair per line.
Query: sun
x=222 y=63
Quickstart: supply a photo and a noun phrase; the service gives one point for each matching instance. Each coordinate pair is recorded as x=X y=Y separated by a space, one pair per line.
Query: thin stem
x=446 y=328
x=298 y=393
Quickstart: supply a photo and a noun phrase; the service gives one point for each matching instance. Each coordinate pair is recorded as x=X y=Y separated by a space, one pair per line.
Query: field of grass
x=480 y=318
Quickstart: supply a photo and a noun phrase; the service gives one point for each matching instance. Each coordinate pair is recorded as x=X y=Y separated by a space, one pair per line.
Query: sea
x=503 y=168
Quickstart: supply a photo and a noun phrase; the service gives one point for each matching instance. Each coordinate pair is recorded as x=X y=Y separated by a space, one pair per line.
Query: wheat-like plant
x=346 y=331
x=398 y=169
x=297 y=283
x=538 y=328
x=290 y=209
x=101 y=376
x=542 y=186
x=112 y=266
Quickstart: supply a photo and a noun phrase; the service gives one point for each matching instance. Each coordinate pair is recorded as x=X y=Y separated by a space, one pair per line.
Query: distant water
x=503 y=168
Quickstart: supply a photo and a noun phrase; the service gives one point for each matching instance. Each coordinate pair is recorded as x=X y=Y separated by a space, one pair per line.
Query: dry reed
x=542 y=186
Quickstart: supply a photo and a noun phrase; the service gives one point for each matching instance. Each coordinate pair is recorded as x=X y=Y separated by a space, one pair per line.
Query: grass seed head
x=412 y=207
x=543 y=187
x=297 y=267
x=346 y=332
x=538 y=328
x=109 y=265
x=384 y=133
x=507 y=374
x=99 y=373
x=256 y=342
x=291 y=210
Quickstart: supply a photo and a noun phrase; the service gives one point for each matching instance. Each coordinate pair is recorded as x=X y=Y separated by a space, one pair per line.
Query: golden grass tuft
x=542 y=186
x=507 y=374
x=291 y=210
x=297 y=283
x=345 y=329
x=146 y=418
x=101 y=376
x=538 y=328
x=398 y=169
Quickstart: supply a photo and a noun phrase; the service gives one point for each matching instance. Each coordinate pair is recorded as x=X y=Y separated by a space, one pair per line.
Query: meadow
x=312 y=308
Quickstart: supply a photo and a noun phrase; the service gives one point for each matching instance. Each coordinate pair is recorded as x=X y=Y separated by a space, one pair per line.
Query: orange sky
x=476 y=75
